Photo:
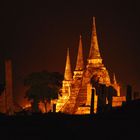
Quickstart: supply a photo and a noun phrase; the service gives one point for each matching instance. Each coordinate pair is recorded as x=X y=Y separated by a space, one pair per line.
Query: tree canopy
x=43 y=86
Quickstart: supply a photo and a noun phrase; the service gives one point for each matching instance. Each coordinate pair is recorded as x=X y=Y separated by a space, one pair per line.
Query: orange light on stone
x=27 y=106
x=78 y=89
x=117 y=101
x=42 y=107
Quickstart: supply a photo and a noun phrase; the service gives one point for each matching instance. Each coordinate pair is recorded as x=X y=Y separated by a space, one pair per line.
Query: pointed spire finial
x=94 y=26
x=80 y=61
x=68 y=73
x=94 y=48
x=80 y=37
x=114 y=79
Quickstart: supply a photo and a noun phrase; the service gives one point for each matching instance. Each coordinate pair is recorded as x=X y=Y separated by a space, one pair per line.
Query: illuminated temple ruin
x=77 y=88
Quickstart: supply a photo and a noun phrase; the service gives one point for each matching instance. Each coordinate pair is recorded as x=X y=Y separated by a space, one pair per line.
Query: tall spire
x=94 y=48
x=114 y=79
x=68 y=74
x=80 y=62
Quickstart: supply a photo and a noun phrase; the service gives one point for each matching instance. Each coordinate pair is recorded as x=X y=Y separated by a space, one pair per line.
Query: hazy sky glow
x=36 y=35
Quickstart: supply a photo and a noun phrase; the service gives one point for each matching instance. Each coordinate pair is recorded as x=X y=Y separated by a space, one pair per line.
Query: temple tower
x=95 y=67
x=116 y=85
x=76 y=91
x=67 y=76
x=66 y=84
x=114 y=79
x=68 y=73
x=78 y=73
x=94 y=54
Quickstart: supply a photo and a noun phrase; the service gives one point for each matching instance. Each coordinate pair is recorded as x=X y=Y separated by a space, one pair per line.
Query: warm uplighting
x=95 y=61
x=76 y=89
x=42 y=107
x=28 y=105
x=117 y=101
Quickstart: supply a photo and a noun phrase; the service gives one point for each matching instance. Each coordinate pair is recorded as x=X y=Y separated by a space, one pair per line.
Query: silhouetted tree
x=43 y=86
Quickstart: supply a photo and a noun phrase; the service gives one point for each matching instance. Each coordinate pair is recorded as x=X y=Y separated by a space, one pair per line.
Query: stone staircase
x=70 y=104
x=80 y=100
x=68 y=107
x=61 y=102
x=77 y=97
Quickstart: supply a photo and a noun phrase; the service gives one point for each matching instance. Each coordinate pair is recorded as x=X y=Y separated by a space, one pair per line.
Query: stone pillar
x=9 y=87
x=54 y=108
x=136 y=95
x=101 y=102
x=111 y=92
x=128 y=93
x=92 y=101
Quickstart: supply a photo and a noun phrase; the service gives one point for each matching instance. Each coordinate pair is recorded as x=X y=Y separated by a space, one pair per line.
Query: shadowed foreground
x=119 y=123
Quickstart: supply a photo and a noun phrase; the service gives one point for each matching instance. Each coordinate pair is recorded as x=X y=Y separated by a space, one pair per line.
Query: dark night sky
x=35 y=35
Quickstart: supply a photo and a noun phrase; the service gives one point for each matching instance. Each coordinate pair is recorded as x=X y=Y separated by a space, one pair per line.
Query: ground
x=120 y=123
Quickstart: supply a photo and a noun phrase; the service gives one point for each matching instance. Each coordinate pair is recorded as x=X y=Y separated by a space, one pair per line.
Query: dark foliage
x=43 y=86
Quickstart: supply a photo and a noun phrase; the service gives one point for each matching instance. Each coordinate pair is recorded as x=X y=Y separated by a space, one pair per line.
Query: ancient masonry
x=76 y=89
x=6 y=97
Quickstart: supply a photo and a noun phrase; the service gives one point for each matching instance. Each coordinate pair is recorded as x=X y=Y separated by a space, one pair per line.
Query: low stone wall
x=117 y=101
